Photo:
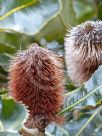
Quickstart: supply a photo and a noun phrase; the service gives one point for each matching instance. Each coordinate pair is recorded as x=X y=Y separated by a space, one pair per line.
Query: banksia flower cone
x=83 y=46
x=36 y=79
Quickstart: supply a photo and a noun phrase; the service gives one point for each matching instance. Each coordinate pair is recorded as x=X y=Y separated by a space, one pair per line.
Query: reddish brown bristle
x=36 y=79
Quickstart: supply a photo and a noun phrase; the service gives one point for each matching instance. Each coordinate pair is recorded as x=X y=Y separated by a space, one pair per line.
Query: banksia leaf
x=83 y=46
x=36 y=79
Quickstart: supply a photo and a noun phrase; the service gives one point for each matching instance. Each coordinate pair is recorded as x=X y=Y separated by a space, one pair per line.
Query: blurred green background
x=46 y=22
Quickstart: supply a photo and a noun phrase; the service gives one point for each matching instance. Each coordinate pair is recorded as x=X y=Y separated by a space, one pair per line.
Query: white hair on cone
x=83 y=50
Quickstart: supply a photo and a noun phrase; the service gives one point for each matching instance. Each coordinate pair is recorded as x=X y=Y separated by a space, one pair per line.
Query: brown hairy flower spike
x=36 y=79
x=83 y=46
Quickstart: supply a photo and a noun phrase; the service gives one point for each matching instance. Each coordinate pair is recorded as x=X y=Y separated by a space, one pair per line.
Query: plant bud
x=36 y=79
x=83 y=46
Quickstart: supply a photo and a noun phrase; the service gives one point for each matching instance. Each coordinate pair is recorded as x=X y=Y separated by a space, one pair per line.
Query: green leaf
x=6 y=48
x=80 y=100
x=11 y=43
x=95 y=81
x=70 y=86
x=88 y=121
x=73 y=126
x=84 y=9
x=7 y=133
x=3 y=71
x=15 y=40
x=35 y=14
x=12 y=114
x=4 y=60
x=67 y=11
x=3 y=91
x=55 y=130
x=100 y=11
x=1 y=126
x=56 y=27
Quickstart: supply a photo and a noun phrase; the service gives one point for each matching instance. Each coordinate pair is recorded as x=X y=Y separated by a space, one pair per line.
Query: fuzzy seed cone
x=36 y=79
x=83 y=46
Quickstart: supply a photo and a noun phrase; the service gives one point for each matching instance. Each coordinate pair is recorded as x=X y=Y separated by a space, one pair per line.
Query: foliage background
x=46 y=22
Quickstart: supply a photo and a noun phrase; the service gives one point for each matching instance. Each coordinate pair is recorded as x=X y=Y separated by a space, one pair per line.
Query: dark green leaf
x=12 y=114
x=100 y=11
